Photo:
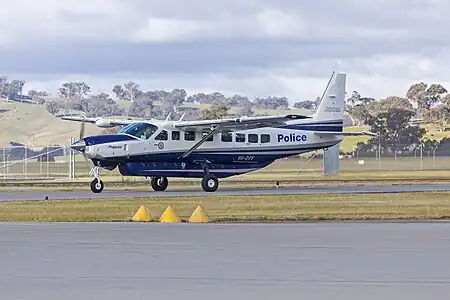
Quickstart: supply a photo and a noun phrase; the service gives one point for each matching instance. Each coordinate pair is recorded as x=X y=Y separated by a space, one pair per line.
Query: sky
x=254 y=47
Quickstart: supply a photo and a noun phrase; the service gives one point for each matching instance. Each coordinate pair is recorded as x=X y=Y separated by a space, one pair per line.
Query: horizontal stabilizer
x=328 y=133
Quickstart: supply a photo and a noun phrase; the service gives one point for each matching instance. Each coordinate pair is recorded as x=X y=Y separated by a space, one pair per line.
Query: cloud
x=256 y=47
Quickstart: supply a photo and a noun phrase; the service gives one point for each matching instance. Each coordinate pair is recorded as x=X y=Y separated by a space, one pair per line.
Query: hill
x=33 y=125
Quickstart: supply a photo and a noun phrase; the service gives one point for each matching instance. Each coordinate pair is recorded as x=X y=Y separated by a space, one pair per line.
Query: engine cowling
x=103 y=123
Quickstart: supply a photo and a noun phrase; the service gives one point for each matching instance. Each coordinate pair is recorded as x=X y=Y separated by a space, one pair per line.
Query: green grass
x=404 y=206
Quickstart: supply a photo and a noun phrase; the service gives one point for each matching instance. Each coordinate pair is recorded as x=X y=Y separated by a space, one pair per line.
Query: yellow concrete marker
x=198 y=216
x=169 y=216
x=142 y=215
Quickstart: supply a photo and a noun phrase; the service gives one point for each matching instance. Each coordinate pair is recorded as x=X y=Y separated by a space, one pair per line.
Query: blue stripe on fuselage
x=333 y=128
x=107 y=138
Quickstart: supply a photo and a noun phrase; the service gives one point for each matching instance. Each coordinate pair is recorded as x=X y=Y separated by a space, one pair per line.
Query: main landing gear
x=209 y=183
x=159 y=183
x=97 y=184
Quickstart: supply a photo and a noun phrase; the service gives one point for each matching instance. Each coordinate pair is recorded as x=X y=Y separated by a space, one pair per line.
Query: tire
x=210 y=183
x=97 y=186
x=159 y=183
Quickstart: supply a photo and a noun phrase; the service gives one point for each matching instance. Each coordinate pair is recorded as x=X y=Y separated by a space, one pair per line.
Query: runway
x=62 y=195
x=225 y=261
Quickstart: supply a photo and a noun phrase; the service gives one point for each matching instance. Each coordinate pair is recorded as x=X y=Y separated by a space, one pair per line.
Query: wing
x=99 y=122
x=241 y=123
x=328 y=133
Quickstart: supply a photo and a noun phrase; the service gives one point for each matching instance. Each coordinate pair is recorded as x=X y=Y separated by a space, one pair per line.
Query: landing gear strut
x=159 y=183
x=96 y=184
x=210 y=183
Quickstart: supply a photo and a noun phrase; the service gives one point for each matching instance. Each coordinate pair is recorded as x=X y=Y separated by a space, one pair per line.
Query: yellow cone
x=142 y=215
x=198 y=216
x=169 y=216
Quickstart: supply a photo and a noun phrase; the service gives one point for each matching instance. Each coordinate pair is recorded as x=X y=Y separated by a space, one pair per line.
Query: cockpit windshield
x=140 y=130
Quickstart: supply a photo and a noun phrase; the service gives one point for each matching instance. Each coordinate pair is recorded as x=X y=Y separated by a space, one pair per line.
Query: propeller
x=82 y=127
x=80 y=146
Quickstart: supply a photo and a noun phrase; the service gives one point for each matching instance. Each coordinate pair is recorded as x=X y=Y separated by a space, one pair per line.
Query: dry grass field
x=407 y=206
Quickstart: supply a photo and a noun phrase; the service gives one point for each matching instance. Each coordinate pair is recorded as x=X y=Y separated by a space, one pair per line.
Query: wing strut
x=199 y=143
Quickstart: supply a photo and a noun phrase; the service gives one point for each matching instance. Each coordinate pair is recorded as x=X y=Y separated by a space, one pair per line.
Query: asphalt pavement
x=347 y=260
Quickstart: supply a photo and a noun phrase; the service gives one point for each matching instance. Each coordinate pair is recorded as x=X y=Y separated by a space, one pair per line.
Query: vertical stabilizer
x=332 y=104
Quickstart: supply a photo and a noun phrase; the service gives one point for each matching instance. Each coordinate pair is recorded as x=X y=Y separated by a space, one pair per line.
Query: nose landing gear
x=97 y=184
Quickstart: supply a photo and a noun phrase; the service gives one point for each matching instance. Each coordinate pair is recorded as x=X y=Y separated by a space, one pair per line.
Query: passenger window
x=189 y=135
x=227 y=136
x=162 y=136
x=175 y=135
x=210 y=139
x=240 y=137
x=253 y=138
x=265 y=138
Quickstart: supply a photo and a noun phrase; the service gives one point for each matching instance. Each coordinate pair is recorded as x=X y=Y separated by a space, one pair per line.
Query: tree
x=438 y=115
x=131 y=91
x=74 y=89
x=171 y=101
x=216 y=111
x=246 y=110
x=308 y=104
x=394 y=130
x=75 y=94
x=425 y=96
x=103 y=105
x=143 y=106
x=354 y=99
x=359 y=114
x=53 y=107
x=7 y=87
x=119 y=91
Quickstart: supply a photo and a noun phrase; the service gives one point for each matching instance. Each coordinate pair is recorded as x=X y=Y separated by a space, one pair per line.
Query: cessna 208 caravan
x=212 y=149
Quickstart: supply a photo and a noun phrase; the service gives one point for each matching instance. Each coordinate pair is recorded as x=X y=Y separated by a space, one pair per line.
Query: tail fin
x=332 y=104
x=331 y=108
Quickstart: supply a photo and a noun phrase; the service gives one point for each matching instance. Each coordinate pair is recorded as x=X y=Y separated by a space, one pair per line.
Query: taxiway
x=346 y=260
x=116 y=193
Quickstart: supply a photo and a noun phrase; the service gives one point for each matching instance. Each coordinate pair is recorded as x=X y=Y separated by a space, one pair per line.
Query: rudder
x=332 y=104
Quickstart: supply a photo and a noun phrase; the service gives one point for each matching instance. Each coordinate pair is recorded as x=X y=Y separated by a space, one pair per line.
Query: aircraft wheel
x=97 y=186
x=159 y=183
x=210 y=183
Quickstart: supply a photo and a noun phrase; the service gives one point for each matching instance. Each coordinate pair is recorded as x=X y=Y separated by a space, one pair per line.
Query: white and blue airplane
x=212 y=149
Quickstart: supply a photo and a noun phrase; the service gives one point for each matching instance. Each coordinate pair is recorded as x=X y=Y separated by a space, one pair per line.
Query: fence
x=53 y=162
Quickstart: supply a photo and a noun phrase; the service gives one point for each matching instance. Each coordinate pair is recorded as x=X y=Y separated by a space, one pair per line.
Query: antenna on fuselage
x=168 y=116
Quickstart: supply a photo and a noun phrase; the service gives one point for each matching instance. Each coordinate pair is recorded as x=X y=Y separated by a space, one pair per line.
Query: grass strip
x=389 y=206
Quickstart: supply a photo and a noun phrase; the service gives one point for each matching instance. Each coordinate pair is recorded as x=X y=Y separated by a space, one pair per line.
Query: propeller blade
x=83 y=125
x=82 y=130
